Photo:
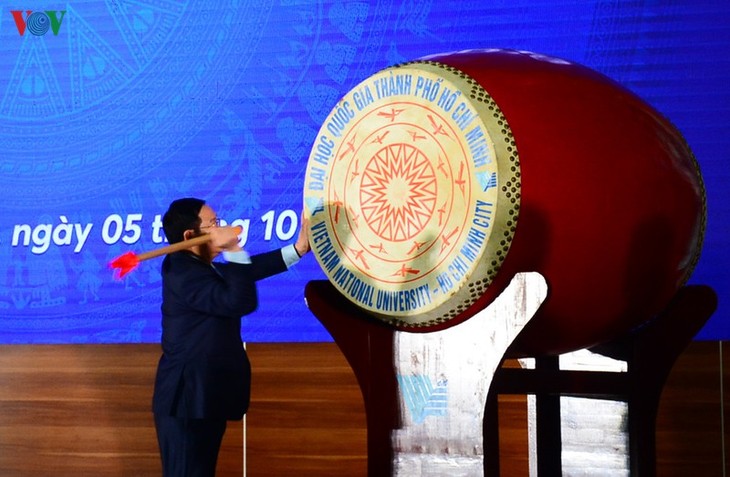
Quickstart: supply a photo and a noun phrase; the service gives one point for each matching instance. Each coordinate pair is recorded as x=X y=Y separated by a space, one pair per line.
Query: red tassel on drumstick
x=130 y=260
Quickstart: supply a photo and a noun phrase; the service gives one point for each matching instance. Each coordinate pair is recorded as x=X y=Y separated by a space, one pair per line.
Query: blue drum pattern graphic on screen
x=108 y=94
x=111 y=109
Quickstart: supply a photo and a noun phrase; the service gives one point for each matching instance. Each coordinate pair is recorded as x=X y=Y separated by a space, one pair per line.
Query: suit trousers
x=189 y=447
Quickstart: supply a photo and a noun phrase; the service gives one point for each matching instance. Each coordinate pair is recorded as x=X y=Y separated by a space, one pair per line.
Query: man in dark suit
x=203 y=377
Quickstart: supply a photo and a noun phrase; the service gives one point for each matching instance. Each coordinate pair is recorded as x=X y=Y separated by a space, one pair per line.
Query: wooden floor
x=314 y=423
x=84 y=410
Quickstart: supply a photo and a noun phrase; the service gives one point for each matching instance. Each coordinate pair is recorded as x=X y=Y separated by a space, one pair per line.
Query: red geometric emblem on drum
x=398 y=192
x=405 y=194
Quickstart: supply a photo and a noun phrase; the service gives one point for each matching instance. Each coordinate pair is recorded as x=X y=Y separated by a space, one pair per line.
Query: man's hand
x=302 y=243
x=224 y=239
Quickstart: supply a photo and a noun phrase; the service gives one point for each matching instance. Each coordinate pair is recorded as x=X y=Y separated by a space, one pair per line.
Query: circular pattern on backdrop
x=123 y=100
x=93 y=108
x=412 y=192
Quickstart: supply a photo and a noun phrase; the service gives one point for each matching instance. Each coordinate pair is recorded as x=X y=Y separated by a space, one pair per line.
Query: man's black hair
x=182 y=215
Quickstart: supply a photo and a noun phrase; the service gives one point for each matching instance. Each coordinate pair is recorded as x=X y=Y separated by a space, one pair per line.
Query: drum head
x=412 y=192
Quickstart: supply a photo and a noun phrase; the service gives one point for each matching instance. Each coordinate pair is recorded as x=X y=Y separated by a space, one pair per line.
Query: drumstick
x=130 y=260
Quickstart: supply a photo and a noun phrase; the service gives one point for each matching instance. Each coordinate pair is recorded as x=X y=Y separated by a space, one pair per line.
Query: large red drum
x=590 y=186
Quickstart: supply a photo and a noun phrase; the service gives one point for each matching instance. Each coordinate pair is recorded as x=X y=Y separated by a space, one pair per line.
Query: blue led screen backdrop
x=111 y=109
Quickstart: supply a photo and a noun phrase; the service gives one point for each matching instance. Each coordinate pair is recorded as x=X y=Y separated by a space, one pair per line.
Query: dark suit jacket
x=204 y=371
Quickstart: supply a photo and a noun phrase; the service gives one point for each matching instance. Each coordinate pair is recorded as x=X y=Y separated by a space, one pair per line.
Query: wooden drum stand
x=431 y=398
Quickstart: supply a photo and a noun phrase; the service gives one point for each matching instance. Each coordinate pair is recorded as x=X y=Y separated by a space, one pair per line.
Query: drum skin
x=612 y=209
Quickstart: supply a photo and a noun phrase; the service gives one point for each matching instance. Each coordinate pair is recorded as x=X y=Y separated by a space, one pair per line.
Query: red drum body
x=612 y=202
x=597 y=191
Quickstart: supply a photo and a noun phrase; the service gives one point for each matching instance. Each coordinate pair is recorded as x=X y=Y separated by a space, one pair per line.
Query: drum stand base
x=454 y=431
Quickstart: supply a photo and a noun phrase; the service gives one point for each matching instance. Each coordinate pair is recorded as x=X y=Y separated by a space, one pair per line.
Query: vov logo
x=38 y=23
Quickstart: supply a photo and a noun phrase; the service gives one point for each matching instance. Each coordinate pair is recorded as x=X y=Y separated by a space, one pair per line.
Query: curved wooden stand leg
x=650 y=353
x=367 y=344
x=425 y=393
